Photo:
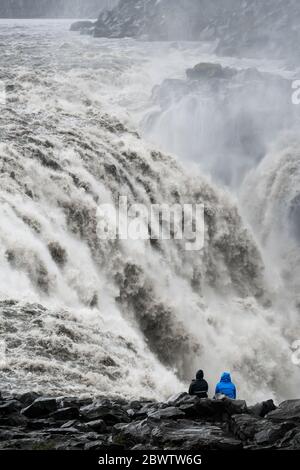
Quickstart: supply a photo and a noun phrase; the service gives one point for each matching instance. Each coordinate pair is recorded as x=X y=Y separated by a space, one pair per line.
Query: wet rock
x=38 y=424
x=9 y=407
x=74 y=402
x=27 y=398
x=183 y=422
x=287 y=411
x=96 y=445
x=65 y=414
x=244 y=427
x=262 y=409
x=131 y=434
x=70 y=424
x=166 y=413
x=178 y=398
x=110 y=413
x=40 y=407
x=189 y=435
x=270 y=435
x=143 y=411
x=14 y=419
x=291 y=440
x=98 y=425
x=194 y=407
x=63 y=431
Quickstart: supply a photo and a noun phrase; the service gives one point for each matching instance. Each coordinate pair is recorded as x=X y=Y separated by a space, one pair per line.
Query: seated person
x=199 y=386
x=226 y=387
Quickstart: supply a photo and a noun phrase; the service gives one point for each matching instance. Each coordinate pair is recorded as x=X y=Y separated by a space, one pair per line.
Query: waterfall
x=83 y=314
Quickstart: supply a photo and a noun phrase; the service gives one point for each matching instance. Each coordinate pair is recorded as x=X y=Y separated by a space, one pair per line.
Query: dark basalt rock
x=211 y=409
x=65 y=413
x=27 y=398
x=166 y=413
x=40 y=407
x=73 y=402
x=287 y=411
x=98 y=425
x=9 y=407
x=183 y=422
x=262 y=409
x=133 y=433
x=110 y=413
x=190 y=436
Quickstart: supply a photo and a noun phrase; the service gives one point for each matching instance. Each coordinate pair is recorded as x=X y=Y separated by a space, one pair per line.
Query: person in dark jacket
x=226 y=387
x=199 y=387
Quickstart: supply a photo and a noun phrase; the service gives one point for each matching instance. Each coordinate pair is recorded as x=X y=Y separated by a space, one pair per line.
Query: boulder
x=271 y=434
x=38 y=424
x=205 y=408
x=287 y=411
x=95 y=445
x=244 y=427
x=192 y=436
x=109 y=412
x=9 y=407
x=178 y=398
x=132 y=434
x=64 y=414
x=291 y=440
x=27 y=398
x=40 y=407
x=97 y=426
x=166 y=413
x=63 y=431
x=73 y=402
x=262 y=409
x=142 y=413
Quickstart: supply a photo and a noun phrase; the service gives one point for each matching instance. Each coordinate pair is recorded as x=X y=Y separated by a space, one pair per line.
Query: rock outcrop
x=181 y=423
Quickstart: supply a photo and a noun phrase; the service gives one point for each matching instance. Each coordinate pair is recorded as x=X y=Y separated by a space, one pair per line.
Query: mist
x=53 y=8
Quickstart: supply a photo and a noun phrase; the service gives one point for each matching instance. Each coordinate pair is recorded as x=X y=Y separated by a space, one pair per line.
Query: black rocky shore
x=33 y=422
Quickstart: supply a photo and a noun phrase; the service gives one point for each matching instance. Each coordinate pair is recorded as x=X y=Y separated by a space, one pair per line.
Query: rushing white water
x=97 y=316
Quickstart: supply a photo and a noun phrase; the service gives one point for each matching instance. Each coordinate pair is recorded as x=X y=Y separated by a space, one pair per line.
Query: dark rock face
x=181 y=423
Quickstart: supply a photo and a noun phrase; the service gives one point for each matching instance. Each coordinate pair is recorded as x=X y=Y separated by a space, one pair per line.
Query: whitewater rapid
x=83 y=315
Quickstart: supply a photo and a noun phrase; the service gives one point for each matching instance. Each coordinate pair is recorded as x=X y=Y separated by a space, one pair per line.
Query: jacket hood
x=225 y=377
x=199 y=375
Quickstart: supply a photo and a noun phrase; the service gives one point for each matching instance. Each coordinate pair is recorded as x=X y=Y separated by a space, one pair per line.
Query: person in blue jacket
x=226 y=387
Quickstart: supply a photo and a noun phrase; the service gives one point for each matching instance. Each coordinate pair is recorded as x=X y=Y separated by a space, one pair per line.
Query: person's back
x=226 y=387
x=199 y=387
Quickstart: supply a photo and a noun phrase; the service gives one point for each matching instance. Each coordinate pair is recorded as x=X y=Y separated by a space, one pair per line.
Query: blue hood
x=226 y=377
